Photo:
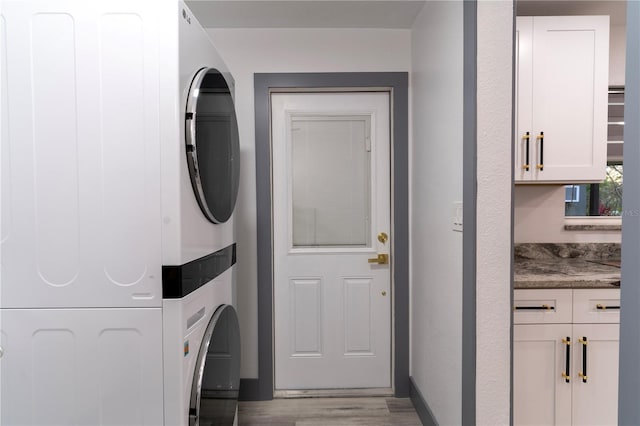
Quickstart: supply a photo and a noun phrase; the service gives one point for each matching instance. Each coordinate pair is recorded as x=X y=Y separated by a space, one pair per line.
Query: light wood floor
x=369 y=411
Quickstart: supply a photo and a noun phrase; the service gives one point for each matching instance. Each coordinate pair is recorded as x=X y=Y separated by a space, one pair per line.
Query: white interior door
x=331 y=196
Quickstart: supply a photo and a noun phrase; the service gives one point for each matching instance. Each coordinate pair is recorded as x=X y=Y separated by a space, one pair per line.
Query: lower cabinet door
x=595 y=397
x=81 y=367
x=542 y=394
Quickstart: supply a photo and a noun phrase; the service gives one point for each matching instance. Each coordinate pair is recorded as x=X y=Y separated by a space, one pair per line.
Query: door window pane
x=331 y=181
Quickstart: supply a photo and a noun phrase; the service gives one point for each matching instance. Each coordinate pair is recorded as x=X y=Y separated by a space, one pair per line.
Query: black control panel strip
x=178 y=281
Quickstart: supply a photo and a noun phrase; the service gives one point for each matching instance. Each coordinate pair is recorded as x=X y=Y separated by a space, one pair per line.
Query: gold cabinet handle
x=540 y=138
x=526 y=138
x=381 y=259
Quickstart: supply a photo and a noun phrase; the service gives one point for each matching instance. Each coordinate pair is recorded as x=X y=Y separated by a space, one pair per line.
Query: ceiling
x=306 y=13
x=366 y=13
x=617 y=10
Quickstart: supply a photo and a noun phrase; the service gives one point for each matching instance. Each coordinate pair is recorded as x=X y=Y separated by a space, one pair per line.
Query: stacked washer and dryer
x=120 y=168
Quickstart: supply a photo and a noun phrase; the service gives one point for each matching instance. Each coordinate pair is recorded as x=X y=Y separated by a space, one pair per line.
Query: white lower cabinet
x=541 y=396
x=595 y=399
x=566 y=373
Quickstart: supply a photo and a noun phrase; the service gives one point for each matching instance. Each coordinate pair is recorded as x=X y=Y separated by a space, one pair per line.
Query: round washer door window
x=216 y=384
x=213 y=148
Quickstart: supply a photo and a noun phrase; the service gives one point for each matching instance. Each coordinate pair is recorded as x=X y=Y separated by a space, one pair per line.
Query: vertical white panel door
x=595 y=398
x=539 y=361
x=523 y=147
x=81 y=194
x=81 y=367
x=331 y=227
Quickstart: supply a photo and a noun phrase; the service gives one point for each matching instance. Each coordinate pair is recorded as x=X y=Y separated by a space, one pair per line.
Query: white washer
x=202 y=353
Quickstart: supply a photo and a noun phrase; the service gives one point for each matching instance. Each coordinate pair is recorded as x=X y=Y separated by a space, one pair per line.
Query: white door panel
x=81 y=172
x=331 y=184
x=595 y=397
x=81 y=366
x=539 y=361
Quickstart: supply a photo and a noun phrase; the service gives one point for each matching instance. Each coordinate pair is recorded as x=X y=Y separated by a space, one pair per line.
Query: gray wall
x=629 y=386
x=436 y=183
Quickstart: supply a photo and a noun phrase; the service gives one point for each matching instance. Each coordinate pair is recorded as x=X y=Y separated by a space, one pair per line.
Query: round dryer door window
x=213 y=149
x=215 y=387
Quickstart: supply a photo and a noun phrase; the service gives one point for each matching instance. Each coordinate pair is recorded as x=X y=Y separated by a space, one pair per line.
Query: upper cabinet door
x=562 y=81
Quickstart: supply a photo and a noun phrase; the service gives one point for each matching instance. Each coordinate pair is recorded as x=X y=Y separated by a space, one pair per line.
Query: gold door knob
x=382 y=259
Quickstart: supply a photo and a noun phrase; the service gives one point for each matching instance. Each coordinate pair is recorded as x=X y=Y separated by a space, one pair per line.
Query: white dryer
x=197 y=215
x=198 y=226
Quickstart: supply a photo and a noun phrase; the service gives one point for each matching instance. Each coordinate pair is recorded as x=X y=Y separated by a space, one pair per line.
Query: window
x=599 y=199
x=572 y=193
x=604 y=198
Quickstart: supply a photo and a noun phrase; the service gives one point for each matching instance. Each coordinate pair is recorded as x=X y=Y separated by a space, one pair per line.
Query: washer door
x=214 y=392
x=213 y=148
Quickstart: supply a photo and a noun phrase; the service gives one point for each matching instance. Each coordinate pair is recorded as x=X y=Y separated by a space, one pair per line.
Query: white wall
x=249 y=51
x=617 y=47
x=494 y=184
x=436 y=183
x=539 y=218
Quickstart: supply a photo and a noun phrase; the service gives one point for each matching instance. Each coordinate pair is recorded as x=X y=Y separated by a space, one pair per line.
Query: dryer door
x=214 y=392
x=213 y=149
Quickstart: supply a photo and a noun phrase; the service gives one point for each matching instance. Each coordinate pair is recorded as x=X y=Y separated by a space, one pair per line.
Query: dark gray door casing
x=629 y=382
x=469 y=207
x=397 y=84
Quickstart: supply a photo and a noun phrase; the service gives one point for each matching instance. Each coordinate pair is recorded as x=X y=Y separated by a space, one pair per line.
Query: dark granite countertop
x=566 y=266
x=564 y=273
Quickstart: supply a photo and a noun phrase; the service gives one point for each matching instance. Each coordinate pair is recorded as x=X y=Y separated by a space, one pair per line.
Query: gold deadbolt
x=383 y=237
x=384 y=293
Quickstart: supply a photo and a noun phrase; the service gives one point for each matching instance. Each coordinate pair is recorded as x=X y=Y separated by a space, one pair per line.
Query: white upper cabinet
x=561 y=98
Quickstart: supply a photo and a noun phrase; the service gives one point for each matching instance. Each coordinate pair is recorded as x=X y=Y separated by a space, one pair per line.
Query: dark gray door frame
x=629 y=383
x=469 y=210
x=397 y=83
